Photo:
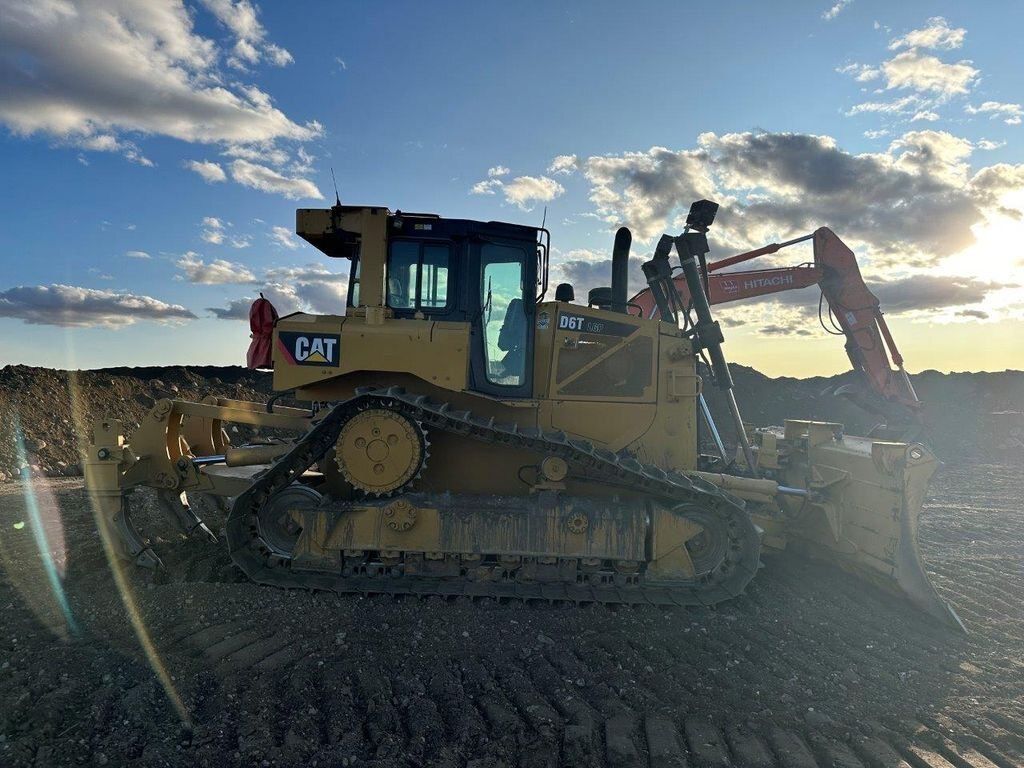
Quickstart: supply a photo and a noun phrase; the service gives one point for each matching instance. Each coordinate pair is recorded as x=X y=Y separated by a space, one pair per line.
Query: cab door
x=502 y=333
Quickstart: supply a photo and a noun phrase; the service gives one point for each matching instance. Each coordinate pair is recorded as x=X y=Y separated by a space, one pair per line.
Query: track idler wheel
x=278 y=525
x=381 y=451
x=722 y=543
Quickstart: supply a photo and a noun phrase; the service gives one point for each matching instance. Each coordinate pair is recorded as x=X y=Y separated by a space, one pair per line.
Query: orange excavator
x=852 y=311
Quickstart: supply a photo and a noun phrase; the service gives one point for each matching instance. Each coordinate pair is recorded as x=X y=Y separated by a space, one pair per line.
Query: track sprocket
x=381 y=451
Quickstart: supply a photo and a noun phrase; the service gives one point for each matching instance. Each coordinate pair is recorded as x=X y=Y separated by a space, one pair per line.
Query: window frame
x=352 y=300
x=421 y=245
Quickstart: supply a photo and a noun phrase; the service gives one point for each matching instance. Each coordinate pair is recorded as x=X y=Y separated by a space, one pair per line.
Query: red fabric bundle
x=262 y=317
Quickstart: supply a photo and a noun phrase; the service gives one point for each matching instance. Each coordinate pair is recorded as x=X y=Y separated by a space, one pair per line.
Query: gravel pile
x=42 y=411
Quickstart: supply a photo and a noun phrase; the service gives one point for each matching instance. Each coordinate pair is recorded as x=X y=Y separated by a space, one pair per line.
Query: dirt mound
x=42 y=411
x=44 y=406
x=958 y=407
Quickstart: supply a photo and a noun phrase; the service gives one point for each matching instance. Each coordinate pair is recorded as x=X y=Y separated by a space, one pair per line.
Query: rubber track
x=598 y=464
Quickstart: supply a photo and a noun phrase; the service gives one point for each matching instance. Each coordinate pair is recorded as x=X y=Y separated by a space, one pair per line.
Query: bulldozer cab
x=488 y=276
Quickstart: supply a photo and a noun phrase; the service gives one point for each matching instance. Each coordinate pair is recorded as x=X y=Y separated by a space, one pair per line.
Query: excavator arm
x=853 y=311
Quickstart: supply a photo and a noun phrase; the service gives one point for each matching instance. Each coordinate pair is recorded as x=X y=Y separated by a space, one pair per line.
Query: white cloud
x=138 y=255
x=217 y=272
x=284 y=238
x=563 y=164
x=241 y=17
x=923 y=72
x=1011 y=113
x=937 y=154
x=310 y=273
x=907 y=104
x=486 y=187
x=72 y=306
x=304 y=161
x=103 y=68
x=835 y=10
x=524 y=191
x=213 y=230
x=210 y=172
x=987 y=144
x=641 y=189
x=309 y=288
x=926 y=115
x=264 y=152
x=862 y=73
x=911 y=207
x=937 y=34
x=101 y=142
x=268 y=180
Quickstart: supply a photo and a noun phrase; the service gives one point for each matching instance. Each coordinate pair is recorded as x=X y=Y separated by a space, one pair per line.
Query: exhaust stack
x=620 y=269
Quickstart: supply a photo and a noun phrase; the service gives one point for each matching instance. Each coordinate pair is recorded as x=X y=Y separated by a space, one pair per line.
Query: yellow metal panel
x=613 y=425
x=670 y=560
x=289 y=375
x=435 y=352
x=569 y=334
x=670 y=441
x=543 y=339
x=438 y=353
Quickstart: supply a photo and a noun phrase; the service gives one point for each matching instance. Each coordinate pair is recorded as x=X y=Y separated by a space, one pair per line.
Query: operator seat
x=512 y=338
x=396 y=293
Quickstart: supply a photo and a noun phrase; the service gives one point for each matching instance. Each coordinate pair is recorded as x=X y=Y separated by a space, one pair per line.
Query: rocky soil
x=34 y=403
x=192 y=665
x=50 y=409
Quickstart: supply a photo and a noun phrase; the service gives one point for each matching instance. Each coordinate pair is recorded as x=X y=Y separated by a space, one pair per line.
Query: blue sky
x=155 y=153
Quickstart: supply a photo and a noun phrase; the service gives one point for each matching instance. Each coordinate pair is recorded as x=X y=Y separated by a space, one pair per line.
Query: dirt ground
x=196 y=667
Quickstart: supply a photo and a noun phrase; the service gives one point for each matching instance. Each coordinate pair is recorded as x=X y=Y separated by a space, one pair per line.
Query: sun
x=996 y=256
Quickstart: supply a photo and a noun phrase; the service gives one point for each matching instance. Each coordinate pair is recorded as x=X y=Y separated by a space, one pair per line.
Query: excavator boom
x=853 y=311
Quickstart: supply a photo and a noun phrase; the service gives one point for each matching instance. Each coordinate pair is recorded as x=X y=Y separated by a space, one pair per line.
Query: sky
x=155 y=151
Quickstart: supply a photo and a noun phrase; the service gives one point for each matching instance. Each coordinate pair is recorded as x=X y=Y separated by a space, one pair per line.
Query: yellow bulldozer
x=463 y=434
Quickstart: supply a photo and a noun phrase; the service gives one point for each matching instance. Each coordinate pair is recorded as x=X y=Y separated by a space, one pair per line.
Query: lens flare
x=47 y=529
x=117 y=567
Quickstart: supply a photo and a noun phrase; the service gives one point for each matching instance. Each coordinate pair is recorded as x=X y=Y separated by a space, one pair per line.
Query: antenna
x=544 y=220
x=337 y=198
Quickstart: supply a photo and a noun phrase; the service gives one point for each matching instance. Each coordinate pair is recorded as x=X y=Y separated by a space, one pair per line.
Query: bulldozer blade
x=866 y=509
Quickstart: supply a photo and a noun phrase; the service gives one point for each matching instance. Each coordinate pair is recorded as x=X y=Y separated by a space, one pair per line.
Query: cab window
x=418 y=275
x=504 y=314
